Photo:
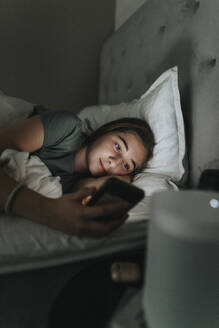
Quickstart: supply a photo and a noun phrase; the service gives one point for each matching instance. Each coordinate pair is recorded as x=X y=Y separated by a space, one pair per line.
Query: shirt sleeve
x=62 y=129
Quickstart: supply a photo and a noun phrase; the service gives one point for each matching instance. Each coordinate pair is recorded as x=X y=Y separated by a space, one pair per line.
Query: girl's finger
x=82 y=193
x=101 y=228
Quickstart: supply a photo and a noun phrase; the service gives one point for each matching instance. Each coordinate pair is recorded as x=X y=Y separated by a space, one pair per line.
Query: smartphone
x=116 y=188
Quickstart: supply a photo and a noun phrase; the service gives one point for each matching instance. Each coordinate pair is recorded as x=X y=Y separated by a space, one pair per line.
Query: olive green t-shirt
x=63 y=136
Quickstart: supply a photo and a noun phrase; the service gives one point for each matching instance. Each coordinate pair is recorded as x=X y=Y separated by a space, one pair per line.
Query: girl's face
x=115 y=153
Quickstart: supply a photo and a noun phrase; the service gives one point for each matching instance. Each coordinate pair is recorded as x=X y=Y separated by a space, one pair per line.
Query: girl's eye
x=117 y=146
x=126 y=166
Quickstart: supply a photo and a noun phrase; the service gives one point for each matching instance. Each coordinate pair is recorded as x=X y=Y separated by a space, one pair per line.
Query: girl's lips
x=102 y=166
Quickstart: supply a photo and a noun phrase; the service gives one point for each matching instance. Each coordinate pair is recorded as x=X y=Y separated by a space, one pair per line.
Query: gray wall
x=49 y=49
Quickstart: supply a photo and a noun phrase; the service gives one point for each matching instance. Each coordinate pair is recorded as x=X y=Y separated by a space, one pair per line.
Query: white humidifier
x=181 y=288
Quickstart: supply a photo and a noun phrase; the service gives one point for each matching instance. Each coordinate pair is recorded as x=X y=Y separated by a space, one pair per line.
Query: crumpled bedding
x=30 y=170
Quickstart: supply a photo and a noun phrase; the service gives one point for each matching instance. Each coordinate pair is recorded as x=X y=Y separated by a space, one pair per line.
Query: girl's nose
x=115 y=161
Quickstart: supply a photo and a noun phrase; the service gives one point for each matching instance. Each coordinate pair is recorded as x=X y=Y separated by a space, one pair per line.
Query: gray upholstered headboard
x=160 y=35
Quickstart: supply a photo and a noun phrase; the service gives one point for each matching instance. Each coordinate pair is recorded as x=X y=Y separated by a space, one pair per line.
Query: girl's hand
x=69 y=215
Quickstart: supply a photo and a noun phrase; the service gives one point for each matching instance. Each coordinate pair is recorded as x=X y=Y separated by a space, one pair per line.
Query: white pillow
x=160 y=107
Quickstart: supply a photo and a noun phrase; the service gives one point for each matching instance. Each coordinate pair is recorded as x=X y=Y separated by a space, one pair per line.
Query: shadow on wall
x=50 y=50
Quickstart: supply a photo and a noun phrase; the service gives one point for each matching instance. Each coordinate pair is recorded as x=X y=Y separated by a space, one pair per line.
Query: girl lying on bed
x=59 y=153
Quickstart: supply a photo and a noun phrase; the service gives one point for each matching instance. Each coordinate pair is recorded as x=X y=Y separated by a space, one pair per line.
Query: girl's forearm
x=26 y=202
x=34 y=206
x=66 y=213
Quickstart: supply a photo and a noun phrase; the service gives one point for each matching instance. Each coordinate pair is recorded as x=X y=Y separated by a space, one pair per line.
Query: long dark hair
x=128 y=124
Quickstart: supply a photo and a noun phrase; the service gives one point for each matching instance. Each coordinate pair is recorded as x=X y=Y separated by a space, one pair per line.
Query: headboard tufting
x=160 y=35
